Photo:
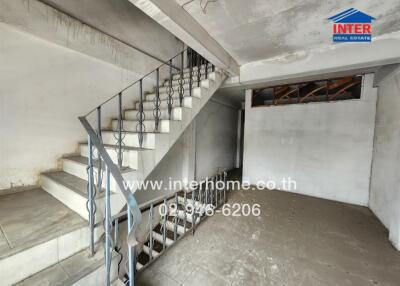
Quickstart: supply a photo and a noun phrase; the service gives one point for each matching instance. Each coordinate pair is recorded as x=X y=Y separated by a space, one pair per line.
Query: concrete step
x=176 y=114
x=129 y=158
x=196 y=92
x=146 y=250
x=158 y=237
x=79 y=269
x=189 y=217
x=186 y=102
x=77 y=165
x=180 y=229
x=68 y=189
x=139 y=266
x=131 y=139
x=176 y=79
x=43 y=232
x=149 y=125
x=205 y=83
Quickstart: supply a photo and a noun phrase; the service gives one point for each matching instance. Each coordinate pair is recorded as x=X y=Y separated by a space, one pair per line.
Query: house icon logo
x=352 y=25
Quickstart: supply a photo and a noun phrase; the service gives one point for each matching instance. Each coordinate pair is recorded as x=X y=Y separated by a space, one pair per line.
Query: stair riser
x=71 y=199
x=158 y=237
x=176 y=80
x=97 y=277
x=131 y=140
x=79 y=170
x=196 y=92
x=149 y=105
x=32 y=260
x=204 y=83
x=146 y=250
x=129 y=158
x=176 y=114
x=180 y=229
x=149 y=125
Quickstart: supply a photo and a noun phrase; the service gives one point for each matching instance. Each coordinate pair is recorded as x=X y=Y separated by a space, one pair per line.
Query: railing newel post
x=165 y=224
x=107 y=229
x=90 y=202
x=151 y=232
x=120 y=130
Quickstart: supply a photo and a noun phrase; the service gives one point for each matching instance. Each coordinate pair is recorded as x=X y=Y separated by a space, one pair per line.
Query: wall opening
x=343 y=88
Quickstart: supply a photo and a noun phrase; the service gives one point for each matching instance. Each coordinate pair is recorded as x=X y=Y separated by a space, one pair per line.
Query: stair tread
x=67 y=271
x=84 y=161
x=164 y=108
x=129 y=148
x=72 y=182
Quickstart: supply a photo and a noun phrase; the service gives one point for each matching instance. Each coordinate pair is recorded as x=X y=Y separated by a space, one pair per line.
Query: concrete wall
x=325 y=147
x=44 y=88
x=385 y=177
x=216 y=139
x=207 y=146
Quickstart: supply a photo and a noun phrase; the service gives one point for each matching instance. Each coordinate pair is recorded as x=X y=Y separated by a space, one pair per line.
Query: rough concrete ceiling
x=251 y=30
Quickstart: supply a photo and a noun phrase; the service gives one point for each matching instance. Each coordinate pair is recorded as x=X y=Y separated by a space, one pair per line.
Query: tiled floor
x=297 y=240
x=31 y=216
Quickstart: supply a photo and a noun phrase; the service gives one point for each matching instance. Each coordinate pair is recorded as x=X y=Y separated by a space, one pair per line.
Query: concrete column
x=189 y=153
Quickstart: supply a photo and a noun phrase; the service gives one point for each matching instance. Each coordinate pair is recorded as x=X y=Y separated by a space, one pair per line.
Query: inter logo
x=352 y=25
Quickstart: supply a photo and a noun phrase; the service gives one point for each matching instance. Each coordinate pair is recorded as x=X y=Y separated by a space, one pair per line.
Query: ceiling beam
x=175 y=19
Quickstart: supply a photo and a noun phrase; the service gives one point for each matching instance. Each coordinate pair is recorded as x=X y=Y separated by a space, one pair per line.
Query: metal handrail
x=95 y=140
x=137 y=81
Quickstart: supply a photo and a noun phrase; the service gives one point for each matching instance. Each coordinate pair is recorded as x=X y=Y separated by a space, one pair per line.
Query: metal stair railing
x=104 y=165
x=194 y=205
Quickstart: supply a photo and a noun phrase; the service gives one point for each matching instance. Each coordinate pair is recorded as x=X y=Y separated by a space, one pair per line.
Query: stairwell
x=137 y=159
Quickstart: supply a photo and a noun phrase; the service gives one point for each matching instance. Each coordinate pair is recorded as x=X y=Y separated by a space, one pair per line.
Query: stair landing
x=32 y=216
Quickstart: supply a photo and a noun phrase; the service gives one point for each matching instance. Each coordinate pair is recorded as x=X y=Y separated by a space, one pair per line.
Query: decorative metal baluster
x=90 y=202
x=216 y=190
x=120 y=130
x=176 y=218
x=225 y=187
x=151 y=232
x=157 y=102
x=116 y=233
x=206 y=71
x=131 y=251
x=140 y=128
x=213 y=68
x=165 y=224
x=194 y=210
x=221 y=191
x=181 y=82
x=191 y=72
x=170 y=91
x=184 y=210
x=100 y=161
x=198 y=70
x=107 y=230
x=206 y=193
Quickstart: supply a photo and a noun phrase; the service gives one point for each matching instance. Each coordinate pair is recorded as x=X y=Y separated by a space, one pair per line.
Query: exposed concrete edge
x=385 y=73
x=176 y=20
x=326 y=61
x=47 y=23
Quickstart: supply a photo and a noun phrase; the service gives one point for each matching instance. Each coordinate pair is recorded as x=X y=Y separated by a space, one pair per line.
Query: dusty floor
x=31 y=216
x=297 y=240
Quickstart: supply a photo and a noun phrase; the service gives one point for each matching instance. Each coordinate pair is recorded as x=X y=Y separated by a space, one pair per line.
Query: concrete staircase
x=69 y=186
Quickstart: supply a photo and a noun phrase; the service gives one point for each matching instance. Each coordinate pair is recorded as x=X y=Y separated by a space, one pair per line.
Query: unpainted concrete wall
x=326 y=148
x=385 y=177
x=207 y=146
x=44 y=88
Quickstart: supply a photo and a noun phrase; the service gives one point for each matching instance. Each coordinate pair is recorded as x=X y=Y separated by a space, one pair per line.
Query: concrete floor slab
x=34 y=215
x=297 y=240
